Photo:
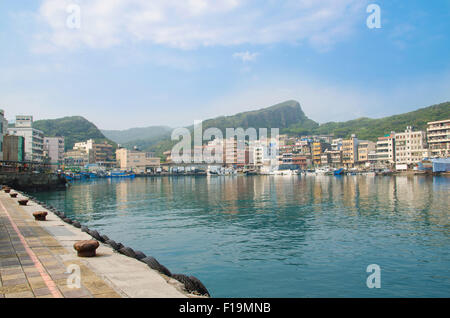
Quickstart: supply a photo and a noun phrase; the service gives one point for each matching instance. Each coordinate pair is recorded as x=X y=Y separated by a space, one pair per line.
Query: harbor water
x=279 y=236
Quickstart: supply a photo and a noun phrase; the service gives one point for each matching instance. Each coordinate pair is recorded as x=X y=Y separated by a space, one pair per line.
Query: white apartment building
x=409 y=146
x=439 y=138
x=34 y=139
x=54 y=149
x=336 y=144
x=386 y=149
x=84 y=146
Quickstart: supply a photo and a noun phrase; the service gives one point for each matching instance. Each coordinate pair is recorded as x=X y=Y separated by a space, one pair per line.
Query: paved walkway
x=34 y=260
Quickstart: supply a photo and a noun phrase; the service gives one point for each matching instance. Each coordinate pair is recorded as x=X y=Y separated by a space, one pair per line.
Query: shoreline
x=128 y=277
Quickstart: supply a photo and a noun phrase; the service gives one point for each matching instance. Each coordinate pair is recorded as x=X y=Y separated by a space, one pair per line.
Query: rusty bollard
x=23 y=202
x=40 y=215
x=86 y=248
x=13 y=195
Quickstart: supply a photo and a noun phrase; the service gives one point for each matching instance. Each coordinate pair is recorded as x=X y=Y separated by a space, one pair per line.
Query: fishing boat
x=121 y=174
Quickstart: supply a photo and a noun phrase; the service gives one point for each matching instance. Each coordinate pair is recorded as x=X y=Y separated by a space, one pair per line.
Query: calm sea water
x=268 y=236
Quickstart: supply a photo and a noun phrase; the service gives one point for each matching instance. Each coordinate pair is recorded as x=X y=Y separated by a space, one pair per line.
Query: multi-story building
x=350 y=151
x=77 y=158
x=3 y=130
x=318 y=148
x=34 y=139
x=325 y=158
x=409 y=146
x=333 y=158
x=213 y=151
x=438 y=133
x=336 y=144
x=13 y=148
x=386 y=149
x=54 y=149
x=136 y=161
x=102 y=153
x=300 y=161
x=365 y=147
x=230 y=151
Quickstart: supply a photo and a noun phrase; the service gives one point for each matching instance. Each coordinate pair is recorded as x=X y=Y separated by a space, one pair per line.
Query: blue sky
x=169 y=62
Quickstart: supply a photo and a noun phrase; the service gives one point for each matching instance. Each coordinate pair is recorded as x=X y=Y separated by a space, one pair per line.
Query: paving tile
x=42 y=291
x=26 y=294
x=17 y=281
x=59 y=276
x=98 y=287
x=37 y=282
x=15 y=276
x=74 y=293
x=32 y=274
x=14 y=289
x=108 y=295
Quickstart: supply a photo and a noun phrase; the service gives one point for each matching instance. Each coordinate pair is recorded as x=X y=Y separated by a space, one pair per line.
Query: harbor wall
x=28 y=181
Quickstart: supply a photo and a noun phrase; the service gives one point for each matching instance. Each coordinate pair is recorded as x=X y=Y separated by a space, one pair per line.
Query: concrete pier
x=37 y=259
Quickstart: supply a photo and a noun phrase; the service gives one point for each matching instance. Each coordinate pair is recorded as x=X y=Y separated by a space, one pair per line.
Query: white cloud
x=245 y=56
x=194 y=23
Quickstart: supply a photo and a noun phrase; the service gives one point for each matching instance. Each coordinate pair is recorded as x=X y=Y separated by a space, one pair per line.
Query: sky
x=138 y=63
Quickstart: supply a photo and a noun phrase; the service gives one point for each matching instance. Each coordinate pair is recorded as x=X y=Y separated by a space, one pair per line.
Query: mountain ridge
x=288 y=116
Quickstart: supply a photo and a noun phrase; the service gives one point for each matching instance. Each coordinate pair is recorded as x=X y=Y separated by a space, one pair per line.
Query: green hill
x=371 y=129
x=74 y=129
x=282 y=116
x=134 y=134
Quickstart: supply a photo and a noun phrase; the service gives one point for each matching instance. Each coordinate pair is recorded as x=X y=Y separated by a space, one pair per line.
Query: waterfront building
x=364 y=148
x=136 y=161
x=3 y=130
x=287 y=158
x=409 y=146
x=325 y=158
x=336 y=144
x=373 y=156
x=300 y=161
x=54 y=148
x=13 y=148
x=213 y=152
x=386 y=149
x=102 y=153
x=34 y=139
x=438 y=134
x=350 y=151
x=77 y=158
x=168 y=156
x=318 y=148
x=332 y=158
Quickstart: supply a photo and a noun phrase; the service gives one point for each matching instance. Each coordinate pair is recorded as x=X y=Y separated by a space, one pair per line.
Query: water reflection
x=280 y=236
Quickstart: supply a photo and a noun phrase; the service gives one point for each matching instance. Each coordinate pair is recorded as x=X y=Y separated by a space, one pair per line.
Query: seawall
x=28 y=181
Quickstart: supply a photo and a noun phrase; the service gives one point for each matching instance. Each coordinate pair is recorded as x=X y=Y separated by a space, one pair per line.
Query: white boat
x=284 y=173
x=322 y=171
